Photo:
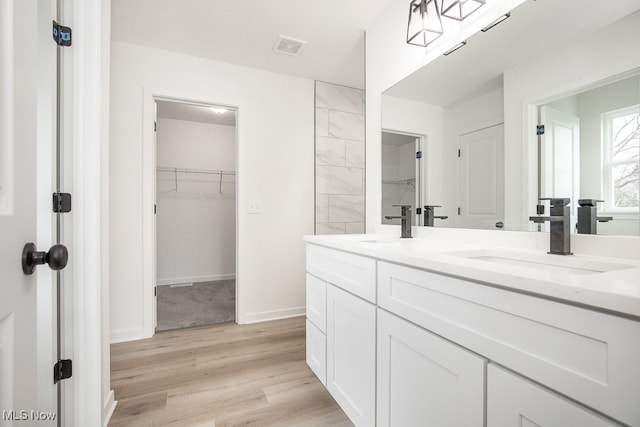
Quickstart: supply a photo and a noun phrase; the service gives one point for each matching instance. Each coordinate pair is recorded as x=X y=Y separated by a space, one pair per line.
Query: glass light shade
x=460 y=9
x=425 y=24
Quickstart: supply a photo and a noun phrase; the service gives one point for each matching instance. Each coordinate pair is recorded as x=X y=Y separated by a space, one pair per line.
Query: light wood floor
x=224 y=375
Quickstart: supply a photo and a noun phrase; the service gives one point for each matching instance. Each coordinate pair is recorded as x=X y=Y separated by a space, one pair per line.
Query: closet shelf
x=201 y=171
x=399 y=181
x=176 y=171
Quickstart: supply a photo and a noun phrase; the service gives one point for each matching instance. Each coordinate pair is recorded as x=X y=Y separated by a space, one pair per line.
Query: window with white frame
x=621 y=157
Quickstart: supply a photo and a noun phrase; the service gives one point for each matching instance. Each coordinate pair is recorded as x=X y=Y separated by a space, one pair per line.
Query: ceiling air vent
x=289 y=46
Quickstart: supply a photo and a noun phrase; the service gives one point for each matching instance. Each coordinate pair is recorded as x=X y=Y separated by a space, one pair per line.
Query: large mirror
x=545 y=104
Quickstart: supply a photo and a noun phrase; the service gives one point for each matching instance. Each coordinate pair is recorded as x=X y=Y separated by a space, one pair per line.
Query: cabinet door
x=351 y=354
x=424 y=380
x=513 y=401
x=317 y=352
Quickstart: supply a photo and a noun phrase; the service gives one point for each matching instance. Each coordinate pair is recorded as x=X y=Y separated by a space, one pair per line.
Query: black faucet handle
x=557 y=201
x=401 y=206
x=588 y=202
x=432 y=206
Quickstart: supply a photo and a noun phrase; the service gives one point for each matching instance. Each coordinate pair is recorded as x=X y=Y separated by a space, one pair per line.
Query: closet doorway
x=195 y=214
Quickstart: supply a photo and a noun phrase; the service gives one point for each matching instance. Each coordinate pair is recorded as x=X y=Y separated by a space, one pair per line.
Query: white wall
x=275 y=168
x=195 y=222
x=390 y=59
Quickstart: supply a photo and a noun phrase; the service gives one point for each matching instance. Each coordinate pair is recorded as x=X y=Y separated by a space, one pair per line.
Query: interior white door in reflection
x=560 y=154
x=481 y=168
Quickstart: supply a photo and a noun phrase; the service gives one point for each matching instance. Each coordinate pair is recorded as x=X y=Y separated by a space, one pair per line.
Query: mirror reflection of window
x=621 y=148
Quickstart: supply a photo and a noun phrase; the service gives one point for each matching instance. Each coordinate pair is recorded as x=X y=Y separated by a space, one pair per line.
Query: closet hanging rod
x=197 y=171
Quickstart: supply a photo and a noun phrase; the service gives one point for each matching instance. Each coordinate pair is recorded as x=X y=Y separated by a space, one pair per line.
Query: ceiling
x=534 y=28
x=245 y=32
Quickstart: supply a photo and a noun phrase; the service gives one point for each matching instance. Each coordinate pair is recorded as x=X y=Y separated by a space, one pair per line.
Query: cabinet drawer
x=353 y=273
x=513 y=401
x=586 y=355
x=317 y=352
x=317 y=302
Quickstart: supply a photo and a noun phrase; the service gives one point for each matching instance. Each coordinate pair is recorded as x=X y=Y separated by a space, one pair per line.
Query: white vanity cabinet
x=589 y=356
x=424 y=380
x=409 y=346
x=341 y=315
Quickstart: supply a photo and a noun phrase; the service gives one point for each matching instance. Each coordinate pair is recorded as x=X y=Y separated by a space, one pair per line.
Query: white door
x=560 y=154
x=27 y=328
x=481 y=181
x=424 y=380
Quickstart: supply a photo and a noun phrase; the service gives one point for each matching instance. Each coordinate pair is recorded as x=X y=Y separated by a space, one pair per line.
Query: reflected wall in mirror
x=552 y=55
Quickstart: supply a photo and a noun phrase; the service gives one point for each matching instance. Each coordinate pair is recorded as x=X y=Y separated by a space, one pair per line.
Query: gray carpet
x=205 y=303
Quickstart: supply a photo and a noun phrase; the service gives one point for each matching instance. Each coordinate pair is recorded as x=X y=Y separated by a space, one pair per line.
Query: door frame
x=151 y=95
x=93 y=400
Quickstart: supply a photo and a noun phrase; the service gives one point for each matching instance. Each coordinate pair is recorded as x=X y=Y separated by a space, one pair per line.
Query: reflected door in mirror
x=481 y=178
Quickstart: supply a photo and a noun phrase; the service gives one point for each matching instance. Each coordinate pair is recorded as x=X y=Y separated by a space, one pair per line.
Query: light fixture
x=496 y=22
x=425 y=24
x=456 y=47
x=460 y=9
x=218 y=110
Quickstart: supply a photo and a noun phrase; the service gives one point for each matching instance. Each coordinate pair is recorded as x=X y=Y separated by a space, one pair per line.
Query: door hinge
x=155 y=209
x=155 y=291
x=540 y=130
x=61 y=34
x=458 y=152
x=62 y=370
x=418 y=154
x=155 y=126
x=458 y=211
x=61 y=202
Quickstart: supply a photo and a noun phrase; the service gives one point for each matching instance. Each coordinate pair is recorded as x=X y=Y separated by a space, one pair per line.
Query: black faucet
x=405 y=216
x=429 y=215
x=588 y=218
x=560 y=219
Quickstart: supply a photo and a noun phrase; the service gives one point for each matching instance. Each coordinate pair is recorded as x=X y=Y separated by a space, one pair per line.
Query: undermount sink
x=560 y=264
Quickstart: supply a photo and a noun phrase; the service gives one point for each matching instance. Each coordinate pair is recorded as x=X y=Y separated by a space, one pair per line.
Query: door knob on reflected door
x=57 y=258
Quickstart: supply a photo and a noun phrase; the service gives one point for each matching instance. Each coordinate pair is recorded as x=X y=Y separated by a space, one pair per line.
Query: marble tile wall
x=340 y=149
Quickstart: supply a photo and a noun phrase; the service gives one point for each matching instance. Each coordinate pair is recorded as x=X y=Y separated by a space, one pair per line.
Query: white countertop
x=616 y=291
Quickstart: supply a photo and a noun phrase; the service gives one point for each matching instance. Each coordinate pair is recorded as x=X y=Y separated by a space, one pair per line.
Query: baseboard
x=265 y=316
x=108 y=408
x=126 y=335
x=195 y=279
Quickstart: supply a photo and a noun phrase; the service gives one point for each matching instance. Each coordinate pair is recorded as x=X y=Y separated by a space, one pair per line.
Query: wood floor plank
x=223 y=375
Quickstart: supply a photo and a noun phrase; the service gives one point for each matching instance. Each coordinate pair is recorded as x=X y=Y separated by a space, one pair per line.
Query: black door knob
x=57 y=258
